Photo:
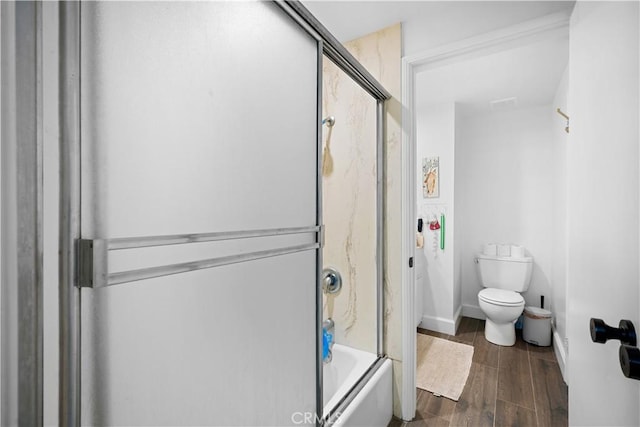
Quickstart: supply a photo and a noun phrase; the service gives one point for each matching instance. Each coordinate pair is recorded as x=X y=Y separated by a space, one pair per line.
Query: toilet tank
x=509 y=273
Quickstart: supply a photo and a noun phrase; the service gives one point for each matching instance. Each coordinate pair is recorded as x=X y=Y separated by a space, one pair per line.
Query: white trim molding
x=473 y=311
x=561 y=354
x=442 y=324
x=457 y=317
x=408 y=392
x=543 y=28
x=438 y=324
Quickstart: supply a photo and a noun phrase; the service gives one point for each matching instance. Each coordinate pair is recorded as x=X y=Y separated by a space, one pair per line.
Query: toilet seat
x=501 y=297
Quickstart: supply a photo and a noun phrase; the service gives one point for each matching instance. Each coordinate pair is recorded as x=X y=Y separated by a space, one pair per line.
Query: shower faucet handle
x=331 y=280
x=601 y=332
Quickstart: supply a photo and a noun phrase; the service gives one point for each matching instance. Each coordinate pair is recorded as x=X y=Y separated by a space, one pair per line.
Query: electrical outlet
x=566 y=345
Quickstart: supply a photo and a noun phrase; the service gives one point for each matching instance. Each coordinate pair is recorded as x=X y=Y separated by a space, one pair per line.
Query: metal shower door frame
x=339 y=55
x=22 y=188
x=72 y=246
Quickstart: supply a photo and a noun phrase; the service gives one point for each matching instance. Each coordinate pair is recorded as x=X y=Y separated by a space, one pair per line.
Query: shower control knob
x=630 y=361
x=331 y=280
x=601 y=332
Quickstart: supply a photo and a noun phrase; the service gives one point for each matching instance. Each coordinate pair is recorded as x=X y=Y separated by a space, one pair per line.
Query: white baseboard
x=438 y=324
x=473 y=311
x=561 y=355
x=457 y=317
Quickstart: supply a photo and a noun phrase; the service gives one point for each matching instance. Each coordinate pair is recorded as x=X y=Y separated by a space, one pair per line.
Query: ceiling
x=530 y=73
x=427 y=24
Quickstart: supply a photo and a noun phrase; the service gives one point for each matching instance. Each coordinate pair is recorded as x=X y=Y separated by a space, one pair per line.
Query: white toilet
x=504 y=278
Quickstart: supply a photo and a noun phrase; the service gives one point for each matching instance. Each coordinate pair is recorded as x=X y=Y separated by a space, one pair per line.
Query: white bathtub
x=373 y=405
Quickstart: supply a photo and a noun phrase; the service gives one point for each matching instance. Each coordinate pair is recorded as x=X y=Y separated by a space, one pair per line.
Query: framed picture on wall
x=431 y=177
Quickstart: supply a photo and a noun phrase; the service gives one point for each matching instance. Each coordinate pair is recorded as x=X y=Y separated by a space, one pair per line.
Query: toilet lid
x=501 y=296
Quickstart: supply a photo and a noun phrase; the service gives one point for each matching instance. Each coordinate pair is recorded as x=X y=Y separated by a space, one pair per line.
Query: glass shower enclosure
x=191 y=210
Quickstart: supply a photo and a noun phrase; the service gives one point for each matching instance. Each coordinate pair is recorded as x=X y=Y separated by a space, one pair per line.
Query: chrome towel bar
x=178 y=239
x=93 y=260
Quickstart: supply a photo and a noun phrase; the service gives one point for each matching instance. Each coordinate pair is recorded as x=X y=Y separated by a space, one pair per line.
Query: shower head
x=329 y=121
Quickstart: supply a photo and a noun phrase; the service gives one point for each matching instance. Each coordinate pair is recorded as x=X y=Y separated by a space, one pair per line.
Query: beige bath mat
x=442 y=366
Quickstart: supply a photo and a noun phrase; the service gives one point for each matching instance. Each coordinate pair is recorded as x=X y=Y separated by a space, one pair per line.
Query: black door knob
x=601 y=332
x=630 y=361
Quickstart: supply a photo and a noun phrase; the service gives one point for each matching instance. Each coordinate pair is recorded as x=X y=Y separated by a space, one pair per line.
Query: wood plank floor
x=517 y=386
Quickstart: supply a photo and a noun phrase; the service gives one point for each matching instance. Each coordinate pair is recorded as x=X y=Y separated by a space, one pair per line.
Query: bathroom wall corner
x=458 y=231
x=457 y=317
x=559 y=249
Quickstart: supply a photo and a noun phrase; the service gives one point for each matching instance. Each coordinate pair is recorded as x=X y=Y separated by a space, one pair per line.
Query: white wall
x=506 y=192
x=558 y=300
x=603 y=210
x=435 y=136
x=502 y=166
x=459 y=230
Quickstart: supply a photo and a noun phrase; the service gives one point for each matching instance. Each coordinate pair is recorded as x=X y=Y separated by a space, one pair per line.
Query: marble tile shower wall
x=349 y=207
x=349 y=197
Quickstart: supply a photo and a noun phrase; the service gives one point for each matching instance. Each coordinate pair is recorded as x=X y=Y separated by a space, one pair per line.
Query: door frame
x=22 y=212
x=535 y=29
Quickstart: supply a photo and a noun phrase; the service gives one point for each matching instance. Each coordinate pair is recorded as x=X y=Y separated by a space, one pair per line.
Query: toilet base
x=503 y=334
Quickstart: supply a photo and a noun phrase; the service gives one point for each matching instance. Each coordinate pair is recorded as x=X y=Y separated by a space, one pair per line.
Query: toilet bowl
x=503 y=278
x=502 y=309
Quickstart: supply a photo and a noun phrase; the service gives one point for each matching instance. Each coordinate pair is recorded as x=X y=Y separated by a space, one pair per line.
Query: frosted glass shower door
x=199 y=117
